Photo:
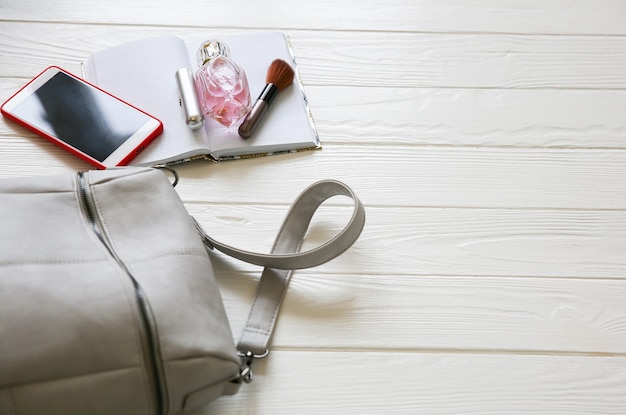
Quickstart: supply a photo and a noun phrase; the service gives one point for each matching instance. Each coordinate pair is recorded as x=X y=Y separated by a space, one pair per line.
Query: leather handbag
x=108 y=302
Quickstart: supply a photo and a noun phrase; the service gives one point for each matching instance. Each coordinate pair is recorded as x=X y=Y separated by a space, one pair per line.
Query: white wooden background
x=487 y=140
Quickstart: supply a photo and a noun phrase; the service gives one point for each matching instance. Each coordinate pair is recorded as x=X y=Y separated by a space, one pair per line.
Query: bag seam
x=99 y=372
x=190 y=252
x=7 y=388
x=49 y=262
x=169 y=253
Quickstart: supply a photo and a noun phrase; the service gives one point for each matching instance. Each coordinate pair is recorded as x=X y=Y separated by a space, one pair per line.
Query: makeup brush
x=279 y=76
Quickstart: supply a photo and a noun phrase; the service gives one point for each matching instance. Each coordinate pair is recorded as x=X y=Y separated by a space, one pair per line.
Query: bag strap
x=286 y=256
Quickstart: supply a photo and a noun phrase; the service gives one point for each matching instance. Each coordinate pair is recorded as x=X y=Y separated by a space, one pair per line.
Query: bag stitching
x=180 y=252
x=169 y=253
x=49 y=262
x=141 y=352
x=99 y=372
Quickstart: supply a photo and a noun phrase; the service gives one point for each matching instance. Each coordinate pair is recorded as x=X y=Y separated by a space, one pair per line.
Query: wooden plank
x=453 y=117
x=444 y=242
x=408 y=60
x=601 y=17
x=473 y=117
x=409 y=176
x=393 y=176
x=437 y=384
x=403 y=60
x=421 y=314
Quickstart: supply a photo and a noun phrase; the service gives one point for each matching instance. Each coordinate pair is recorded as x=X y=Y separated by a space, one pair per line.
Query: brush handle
x=258 y=109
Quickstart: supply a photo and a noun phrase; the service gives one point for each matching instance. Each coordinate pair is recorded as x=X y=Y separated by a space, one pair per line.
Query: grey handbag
x=108 y=303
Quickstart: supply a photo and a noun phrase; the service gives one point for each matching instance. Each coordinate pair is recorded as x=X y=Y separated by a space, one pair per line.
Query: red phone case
x=132 y=154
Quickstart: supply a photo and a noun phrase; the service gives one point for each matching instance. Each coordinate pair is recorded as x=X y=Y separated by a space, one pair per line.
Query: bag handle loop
x=286 y=256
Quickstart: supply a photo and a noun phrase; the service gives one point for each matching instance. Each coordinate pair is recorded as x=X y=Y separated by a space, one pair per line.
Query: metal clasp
x=245 y=373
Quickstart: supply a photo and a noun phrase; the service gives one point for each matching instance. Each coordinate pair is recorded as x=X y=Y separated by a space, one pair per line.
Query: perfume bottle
x=221 y=84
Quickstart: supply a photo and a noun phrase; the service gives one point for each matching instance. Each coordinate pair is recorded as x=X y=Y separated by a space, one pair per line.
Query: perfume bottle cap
x=210 y=49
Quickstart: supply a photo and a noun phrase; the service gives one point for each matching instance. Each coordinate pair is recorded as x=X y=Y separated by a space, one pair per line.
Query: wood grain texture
x=438 y=384
x=429 y=176
x=454 y=117
x=395 y=176
x=600 y=17
x=443 y=241
x=412 y=313
x=470 y=117
x=340 y=58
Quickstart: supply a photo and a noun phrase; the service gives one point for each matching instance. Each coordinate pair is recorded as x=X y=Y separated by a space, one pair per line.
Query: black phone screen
x=80 y=115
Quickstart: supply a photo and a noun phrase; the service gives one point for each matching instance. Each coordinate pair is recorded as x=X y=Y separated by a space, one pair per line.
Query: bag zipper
x=153 y=360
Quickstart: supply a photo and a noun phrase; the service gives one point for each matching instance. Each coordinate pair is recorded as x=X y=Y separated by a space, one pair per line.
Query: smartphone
x=82 y=118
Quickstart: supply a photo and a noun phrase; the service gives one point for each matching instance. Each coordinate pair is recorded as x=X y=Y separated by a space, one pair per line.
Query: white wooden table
x=487 y=140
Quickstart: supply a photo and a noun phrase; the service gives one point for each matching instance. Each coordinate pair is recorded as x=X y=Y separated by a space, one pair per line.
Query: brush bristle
x=280 y=74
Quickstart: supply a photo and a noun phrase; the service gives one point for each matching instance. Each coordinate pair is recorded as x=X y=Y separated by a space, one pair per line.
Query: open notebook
x=143 y=73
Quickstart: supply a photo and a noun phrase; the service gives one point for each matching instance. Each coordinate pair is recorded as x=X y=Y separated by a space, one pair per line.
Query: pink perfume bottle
x=221 y=84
